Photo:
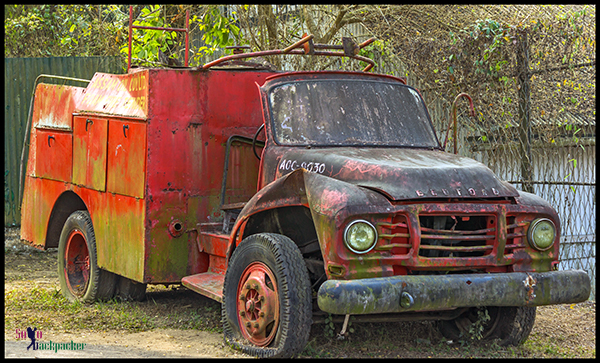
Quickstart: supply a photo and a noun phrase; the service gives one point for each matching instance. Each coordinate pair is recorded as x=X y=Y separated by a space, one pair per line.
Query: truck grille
x=449 y=236
x=457 y=236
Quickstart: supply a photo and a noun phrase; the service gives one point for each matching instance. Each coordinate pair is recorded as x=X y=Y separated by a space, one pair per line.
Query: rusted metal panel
x=38 y=201
x=178 y=120
x=208 y=284
x=117 y=94
x=89 y=152
x=398 y=173
x=191 y=116
x=54 y=106
x=334 y=203
x=54 y=151
x=126 y=158
x=119 y=226
x=51 y=141
x=51 y=131
x=379 y=143
x=242 y=173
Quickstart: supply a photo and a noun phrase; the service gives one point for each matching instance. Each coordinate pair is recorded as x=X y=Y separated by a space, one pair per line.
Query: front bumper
x=441 y=292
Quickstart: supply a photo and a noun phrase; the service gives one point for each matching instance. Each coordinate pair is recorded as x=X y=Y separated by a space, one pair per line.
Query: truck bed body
x=144 y=153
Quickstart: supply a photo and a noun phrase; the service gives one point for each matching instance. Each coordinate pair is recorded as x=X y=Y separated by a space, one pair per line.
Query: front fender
x=330 y=201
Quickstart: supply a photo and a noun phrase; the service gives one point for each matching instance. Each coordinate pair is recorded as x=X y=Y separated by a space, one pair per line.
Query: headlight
x=360 y=236
x=542 y=233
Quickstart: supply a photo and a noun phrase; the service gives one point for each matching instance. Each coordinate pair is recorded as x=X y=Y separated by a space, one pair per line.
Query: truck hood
x=401 y=173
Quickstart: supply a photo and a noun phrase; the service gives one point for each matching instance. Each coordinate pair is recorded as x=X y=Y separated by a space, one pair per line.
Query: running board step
x=209 y=284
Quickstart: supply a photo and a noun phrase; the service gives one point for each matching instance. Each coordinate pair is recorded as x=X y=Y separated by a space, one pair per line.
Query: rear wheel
x=266 y=308
x=80 y=277
x=511 y=325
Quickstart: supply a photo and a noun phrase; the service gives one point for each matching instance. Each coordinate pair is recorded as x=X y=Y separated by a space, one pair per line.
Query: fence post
x=524 y=92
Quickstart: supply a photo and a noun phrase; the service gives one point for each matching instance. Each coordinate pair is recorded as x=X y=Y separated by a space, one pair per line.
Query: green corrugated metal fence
x=19 y=78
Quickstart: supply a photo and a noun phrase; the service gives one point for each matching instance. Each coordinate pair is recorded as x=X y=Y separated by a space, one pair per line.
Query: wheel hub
x=77 y=263
x=258 y=304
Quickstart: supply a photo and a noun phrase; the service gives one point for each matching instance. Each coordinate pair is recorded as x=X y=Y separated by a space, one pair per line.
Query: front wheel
x=511 y=325
x=80 y=277
x=266 y=309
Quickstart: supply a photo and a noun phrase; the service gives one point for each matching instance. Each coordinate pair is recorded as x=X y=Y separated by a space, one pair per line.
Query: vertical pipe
x=130 y=29
x=455 y=133
x=187 y=35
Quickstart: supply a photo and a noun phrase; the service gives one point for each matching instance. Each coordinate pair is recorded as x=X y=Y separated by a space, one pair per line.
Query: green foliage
x=477 y=328
x=147 y=42
x=217 y=30
x=91 y=30
x=492 y=35
x=379 y=51
x=329 y=326
x=61 y=30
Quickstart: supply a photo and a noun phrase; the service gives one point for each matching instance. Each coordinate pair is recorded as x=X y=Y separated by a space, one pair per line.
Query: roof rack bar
x=292 y=49
x=304 y=39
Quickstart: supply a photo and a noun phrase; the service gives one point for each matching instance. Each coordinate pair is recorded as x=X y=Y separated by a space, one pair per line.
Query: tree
x=102 y=30
x=277 y=26
x=215 y=28
x=62 y=30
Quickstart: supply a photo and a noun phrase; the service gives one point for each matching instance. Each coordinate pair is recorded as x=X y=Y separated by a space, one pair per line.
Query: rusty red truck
x=283 y=195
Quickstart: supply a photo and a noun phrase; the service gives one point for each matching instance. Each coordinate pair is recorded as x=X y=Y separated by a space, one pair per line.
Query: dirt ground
x=25 y=265
x=571 y=325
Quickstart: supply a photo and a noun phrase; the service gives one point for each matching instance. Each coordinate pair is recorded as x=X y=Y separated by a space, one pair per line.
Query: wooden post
x=524 y=92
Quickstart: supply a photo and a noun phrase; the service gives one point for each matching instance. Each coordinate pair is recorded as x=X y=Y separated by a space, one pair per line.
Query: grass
x=46 y=308
x=420 y=340
x=39 y=303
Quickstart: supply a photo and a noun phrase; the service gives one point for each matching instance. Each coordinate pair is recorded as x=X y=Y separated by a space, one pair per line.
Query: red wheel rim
x=77 y=263
x=258 y=304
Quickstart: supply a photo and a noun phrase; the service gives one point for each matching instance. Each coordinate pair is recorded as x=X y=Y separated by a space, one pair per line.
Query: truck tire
x=510 y=325
x=80 y=277
x=267 y=302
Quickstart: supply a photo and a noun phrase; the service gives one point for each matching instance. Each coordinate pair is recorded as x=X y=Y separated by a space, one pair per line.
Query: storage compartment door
x=54 y=151
x=126 y=158
x=89 y=152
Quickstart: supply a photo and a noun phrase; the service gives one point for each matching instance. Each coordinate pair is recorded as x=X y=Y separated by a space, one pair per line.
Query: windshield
x=350 y=112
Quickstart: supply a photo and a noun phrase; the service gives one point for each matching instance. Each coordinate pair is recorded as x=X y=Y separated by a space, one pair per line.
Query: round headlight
x=360 y=236
x=542 y=233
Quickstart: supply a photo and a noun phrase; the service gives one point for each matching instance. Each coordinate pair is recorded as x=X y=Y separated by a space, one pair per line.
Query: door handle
x=125 y=127
x=50 y=137
x=87 y=122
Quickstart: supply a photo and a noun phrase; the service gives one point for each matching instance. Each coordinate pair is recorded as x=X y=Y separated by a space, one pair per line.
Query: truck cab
x=284 y=195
